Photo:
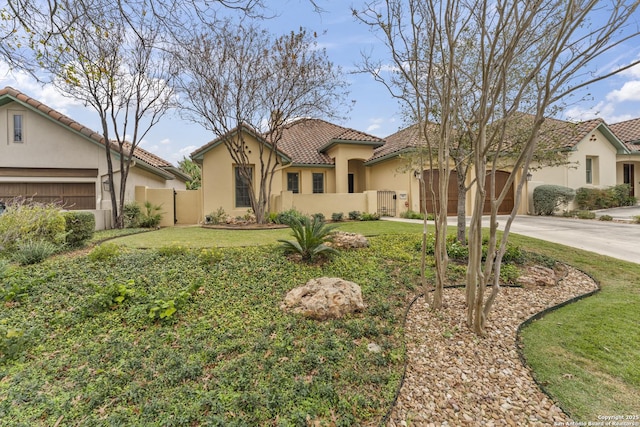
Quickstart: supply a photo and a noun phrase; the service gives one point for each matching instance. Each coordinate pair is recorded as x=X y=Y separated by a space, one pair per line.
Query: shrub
x=217 y=217
x=272 y=218
x=132 y=215
x=547 y=198
x=412 y=215
x=337 y=216
x=104 y=252
x=509 y=273
x=369 y=216
x=598 y=198
x=585 y=214
x=33 y=251
x=289 y=217
x=25 y=222
x=110 y=296
x=636 y=219
x=310 y=238
x=80 y=227
x=172 y=250
x=151 y=216
x=605 y=218
x=318 y=216
x=354 y=215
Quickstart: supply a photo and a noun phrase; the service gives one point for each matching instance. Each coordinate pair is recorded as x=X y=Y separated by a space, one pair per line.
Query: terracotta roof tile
x=629 y=133
x=303 y=139
x=140 y=153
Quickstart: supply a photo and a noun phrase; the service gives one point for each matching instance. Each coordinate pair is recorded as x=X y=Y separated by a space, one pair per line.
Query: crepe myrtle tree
x=238 y=76
x=505 y=58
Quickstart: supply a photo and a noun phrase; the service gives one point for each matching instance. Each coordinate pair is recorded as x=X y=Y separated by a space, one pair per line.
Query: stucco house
x=326 y=168
x=49 y=157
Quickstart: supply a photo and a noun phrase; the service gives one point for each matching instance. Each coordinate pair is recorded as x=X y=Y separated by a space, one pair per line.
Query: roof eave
x=331 y=143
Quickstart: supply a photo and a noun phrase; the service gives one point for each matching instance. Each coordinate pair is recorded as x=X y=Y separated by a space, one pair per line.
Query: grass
x=586 y=354
x=198 y=237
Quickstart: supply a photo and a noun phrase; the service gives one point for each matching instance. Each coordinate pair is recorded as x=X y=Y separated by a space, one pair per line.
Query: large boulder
x=324 y=298
x=344 y=240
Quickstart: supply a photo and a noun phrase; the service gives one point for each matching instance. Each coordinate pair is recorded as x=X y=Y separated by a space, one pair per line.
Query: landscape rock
x=344 y=240
x=537 y=275
x=324 y=298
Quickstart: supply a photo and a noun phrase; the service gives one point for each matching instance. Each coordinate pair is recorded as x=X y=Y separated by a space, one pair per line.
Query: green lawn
x=85 y=351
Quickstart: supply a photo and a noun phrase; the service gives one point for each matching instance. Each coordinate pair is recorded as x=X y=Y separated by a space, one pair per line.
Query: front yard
x=177 y=335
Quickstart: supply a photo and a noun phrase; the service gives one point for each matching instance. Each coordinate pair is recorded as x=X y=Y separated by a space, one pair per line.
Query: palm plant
x=310 y=238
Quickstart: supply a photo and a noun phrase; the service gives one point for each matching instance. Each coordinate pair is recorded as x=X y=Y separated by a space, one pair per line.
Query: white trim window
x=17 y=127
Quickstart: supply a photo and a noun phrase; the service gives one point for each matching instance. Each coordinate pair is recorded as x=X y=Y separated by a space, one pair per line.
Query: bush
x=548 y=198
x=369 y=216
x=585 y=214
x=217 y=217
x=337 y=216
x=354 y=215
x=33 y=251
x=173 y=250
x=412 y=215
x=80 y=227
x=132 y=214
x=598 y=198
x=636 y=219
x=31 y=222
x=509 y=273
x=310 y=238
x=104 y=252
x=605 y=218
x=318 y=216
x=151 y=216
x=289 y=217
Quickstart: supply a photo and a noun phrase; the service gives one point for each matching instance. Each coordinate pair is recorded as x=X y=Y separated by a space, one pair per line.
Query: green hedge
x=604 y=198
x=548 y=198
x=80 y=227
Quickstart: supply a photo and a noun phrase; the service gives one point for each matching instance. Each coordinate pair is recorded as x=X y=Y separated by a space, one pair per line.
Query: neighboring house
x=48 y=157
x=628 y=164
x=595 y=156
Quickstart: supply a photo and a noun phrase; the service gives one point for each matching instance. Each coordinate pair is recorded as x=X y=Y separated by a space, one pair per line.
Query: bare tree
x=237 y=75
x=110 y=60
x=511 y=57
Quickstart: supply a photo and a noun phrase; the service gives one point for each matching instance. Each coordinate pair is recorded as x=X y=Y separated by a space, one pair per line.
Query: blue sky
x=374 y=111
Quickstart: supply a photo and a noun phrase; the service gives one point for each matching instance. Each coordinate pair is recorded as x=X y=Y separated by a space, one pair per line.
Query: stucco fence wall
x=178 y=207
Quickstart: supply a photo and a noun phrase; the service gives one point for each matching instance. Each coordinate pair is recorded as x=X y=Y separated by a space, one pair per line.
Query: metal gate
x=387 y=203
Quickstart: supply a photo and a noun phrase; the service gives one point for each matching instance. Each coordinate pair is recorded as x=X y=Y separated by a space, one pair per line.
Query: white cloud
x=373 y=128
x=630 y=91
x=185 y=151
x=165 y=141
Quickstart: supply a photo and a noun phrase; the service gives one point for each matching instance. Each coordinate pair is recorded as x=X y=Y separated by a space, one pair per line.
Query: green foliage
x=289 y=217
x=460 y=253
x=318 y=216
x=12 y=340
x=33 y=251
x=412 y=215
x=110 y=296
x=80 y=227
x=132 y=215
x=272 y=218
x=605 y=218
x=24 y=222
x=210 y=256
x=151 y=215
x=548 y=198
x=104 y=252
x=509 y=273
x=585 y=214
x=310 y=238
x=369 y=216
x=354 y=215
x=636 y=219
x=192 y=169
x=173 y=250
x=217 y=217
x=164 y=309
x=599 y=198
x=337 y=216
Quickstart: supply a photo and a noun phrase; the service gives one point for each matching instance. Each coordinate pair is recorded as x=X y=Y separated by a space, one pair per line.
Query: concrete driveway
x=614 y=239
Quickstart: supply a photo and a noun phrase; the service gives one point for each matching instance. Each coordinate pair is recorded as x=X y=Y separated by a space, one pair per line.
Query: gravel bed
x=455 y=378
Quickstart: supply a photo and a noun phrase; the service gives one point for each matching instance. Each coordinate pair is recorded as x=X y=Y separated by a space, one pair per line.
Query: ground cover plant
x=128 y=339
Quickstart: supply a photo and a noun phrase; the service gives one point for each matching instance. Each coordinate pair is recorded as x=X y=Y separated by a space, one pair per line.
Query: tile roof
x=404 y=140
x=139 y=153
x=629 y=133
x=305 y=140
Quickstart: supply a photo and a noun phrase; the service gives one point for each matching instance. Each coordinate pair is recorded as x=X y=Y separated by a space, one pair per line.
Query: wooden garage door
x=452 y=202
x=72 y=196
x=507 y=204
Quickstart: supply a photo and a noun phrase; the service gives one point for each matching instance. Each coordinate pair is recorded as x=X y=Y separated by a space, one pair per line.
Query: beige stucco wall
x=328 y=203
x=218 y=178
x=344 y=156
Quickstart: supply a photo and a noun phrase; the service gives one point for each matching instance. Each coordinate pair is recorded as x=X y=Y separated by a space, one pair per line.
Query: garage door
x=72 y=196
x=452 y=194
x=507 y=204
